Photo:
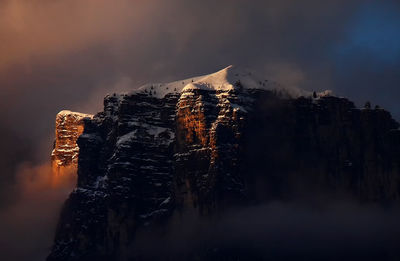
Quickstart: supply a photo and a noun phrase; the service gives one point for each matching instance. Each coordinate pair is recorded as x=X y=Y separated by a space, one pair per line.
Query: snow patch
x=325 y=93
x=227 y=79
x=64 y=113
x=126 y=138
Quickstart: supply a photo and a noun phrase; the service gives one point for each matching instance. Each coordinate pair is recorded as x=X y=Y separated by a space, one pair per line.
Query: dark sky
x=67 y=54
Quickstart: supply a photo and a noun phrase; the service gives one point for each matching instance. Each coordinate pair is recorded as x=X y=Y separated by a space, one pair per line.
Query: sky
x=68 y=54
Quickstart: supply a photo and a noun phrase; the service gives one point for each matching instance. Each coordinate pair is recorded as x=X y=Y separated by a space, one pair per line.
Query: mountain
x=201 y=147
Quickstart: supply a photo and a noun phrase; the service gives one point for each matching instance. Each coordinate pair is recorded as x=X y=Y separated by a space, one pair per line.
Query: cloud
x=344 y=230
x=286 y=74
x=41 y=29
x=29 y=217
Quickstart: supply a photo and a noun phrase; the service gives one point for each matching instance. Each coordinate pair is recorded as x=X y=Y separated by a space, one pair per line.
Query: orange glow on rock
x=64 y=157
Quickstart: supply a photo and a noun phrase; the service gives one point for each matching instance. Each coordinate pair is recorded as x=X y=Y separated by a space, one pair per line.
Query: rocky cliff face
x=206 y=144
x=68 y=127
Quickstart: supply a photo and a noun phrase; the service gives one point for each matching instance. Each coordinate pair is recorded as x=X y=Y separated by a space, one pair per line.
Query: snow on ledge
x=64 y=113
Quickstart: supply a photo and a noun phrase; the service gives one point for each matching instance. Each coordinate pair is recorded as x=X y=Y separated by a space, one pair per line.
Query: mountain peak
x=229 y=78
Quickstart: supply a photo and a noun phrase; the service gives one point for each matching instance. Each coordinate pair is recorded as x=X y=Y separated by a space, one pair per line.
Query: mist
x=29 y=218
x=278 y=230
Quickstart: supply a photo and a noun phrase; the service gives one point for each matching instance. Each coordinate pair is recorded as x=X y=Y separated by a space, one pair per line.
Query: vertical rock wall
x=144 y=159
x=68 y=127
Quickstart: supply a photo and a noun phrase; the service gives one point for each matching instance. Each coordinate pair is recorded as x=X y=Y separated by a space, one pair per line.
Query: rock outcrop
x=206 y=144
x=69 y=126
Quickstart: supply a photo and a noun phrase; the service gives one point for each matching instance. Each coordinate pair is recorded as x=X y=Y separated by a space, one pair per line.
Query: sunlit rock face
x=205 y=144
x=69 y=126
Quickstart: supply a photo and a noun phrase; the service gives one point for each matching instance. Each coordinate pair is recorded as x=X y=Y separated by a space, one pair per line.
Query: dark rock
x=145 y=159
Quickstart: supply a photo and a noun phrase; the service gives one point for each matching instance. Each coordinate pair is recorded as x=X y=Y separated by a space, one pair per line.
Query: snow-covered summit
x=227 y=79
x=65 y=113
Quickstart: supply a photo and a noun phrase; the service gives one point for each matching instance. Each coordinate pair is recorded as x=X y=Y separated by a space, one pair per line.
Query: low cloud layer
x=336 y=230
x=29 y=217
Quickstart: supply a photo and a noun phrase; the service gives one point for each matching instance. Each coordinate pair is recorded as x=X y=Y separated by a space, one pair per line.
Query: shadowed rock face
x=145 y=159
